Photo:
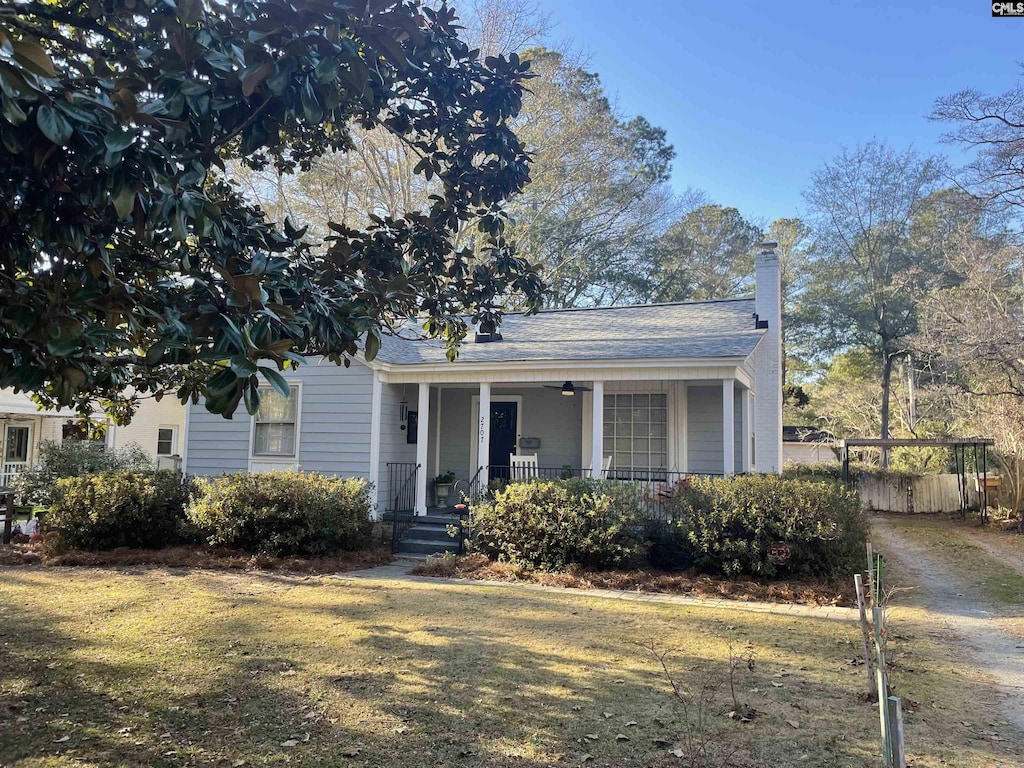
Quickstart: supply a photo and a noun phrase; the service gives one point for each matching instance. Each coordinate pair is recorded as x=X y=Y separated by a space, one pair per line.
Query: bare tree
x=993 y=127
x=867 y=276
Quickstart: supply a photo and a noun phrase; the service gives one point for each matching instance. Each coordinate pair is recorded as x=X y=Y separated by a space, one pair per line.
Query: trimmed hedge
x=283 y=513
x=557 y=523
x=728 y=526
x=120 y=509
x=37 y=485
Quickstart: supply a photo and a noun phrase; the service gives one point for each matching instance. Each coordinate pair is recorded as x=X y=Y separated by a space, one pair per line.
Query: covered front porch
x=647 y=426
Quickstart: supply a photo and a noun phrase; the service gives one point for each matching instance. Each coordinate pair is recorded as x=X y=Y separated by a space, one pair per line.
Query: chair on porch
x=523 y=467
x=606 y=465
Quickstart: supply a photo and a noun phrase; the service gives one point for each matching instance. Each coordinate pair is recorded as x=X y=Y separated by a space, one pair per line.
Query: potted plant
x=443 y=488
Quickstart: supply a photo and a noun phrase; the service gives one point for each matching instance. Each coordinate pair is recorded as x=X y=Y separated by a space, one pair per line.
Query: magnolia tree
x=130 y=264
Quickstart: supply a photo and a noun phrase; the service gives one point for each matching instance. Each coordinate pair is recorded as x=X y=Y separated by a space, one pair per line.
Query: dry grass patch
x=194 y=557
x=961 y=546
x=477 y=566
x=186 y=668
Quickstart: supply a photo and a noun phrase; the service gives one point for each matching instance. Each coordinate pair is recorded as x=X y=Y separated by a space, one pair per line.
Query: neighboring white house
x=808 y=445
x=157 y=427
x=631 y=392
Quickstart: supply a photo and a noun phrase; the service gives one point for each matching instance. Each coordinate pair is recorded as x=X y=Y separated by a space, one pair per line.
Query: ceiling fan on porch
x=568 y=388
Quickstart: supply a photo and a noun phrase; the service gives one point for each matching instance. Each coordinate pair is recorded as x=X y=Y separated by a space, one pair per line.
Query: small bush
x=119 y=509
x=559 y=523
x=728 y=526
x=75 y=458
x=283 y=513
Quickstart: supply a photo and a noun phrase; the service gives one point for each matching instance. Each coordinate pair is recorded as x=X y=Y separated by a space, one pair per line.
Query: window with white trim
x=275 y=428
x=166 y=441
x=636 y=431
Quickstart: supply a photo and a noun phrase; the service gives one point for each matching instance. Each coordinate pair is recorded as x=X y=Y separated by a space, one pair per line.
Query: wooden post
x=8 y=496
x=858 y=582
x=883 y=719
x=882 y=682
x=897 y=753
x=878 y=580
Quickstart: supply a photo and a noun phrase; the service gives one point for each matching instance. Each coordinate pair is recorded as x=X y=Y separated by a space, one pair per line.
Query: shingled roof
x=704 y=329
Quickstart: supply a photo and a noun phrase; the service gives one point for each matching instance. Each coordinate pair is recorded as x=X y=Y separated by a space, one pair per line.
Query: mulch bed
x=194 y=557
x=477 y=566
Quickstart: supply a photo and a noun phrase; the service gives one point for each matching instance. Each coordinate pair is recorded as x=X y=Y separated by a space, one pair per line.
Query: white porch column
x=483 y=433
x=746 y=432
x=597 y=430
x=374 y=474
x=728 y=427
x=422 y=436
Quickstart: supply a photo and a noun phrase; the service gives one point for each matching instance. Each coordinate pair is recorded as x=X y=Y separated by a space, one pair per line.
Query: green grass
x=100 y=667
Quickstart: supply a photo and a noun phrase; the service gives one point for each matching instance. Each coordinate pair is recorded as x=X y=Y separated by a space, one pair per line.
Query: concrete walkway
x=400 y=572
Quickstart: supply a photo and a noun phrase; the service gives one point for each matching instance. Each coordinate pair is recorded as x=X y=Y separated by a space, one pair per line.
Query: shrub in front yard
x=119 y=509
x=283 y=513
x=37 y=485
x=728 y=526
x=558 y=523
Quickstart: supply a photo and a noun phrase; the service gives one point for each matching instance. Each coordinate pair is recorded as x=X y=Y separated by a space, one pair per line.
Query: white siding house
x=647 y=391
x=158 y=428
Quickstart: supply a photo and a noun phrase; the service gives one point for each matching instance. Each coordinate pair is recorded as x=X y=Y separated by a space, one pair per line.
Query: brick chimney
x=768 y=362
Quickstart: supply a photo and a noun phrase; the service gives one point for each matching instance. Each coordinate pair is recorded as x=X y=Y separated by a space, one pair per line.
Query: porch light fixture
x=568 y=389
x=403 y=410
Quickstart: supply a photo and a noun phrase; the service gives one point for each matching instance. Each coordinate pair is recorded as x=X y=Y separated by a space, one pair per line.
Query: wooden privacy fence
x=930 y=493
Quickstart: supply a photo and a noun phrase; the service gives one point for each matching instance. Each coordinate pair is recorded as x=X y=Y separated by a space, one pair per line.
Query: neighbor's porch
x=651 y=429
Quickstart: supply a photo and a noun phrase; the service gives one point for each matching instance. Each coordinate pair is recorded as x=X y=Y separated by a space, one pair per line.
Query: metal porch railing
x=401 y=499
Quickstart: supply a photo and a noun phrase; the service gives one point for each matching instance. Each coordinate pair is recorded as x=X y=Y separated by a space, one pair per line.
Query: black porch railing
x=401 y=499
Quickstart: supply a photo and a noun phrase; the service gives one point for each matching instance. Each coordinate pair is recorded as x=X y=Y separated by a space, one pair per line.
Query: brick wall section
x=148 y=419
x=768 y=365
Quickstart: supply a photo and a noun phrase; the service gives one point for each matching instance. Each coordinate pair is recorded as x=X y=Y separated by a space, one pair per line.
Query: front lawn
x=175 y=667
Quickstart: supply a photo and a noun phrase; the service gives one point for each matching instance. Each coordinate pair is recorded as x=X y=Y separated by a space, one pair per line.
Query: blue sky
x=756 y=95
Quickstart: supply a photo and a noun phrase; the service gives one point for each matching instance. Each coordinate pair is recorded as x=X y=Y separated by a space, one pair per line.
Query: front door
x=504 y=417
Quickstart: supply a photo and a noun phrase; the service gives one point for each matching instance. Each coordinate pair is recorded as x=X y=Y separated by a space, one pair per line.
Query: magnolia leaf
x=372 y=344
x=117 y=141
x=276 y=380
x=53 y=124
x=124 y=202
x=32 y=57
x=252 y=80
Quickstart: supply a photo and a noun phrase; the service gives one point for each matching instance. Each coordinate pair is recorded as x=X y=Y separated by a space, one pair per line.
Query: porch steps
x=429 y=535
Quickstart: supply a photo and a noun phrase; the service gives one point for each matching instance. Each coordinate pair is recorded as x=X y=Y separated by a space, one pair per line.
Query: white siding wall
x=216 y=445
x=704 y=444
x=147 y=420
x=393 y=444
x=335 y=418
x=334 y=426
x=546 y=414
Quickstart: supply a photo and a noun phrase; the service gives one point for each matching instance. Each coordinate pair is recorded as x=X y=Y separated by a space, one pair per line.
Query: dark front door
x=503 y=437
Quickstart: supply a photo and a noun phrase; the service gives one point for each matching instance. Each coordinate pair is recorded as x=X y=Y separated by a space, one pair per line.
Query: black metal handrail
x=401 y=475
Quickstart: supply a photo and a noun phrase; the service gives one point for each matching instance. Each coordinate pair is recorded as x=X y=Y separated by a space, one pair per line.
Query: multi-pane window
x=274 y=433
x=636 y=433
x=165 y=441
x=17 y=444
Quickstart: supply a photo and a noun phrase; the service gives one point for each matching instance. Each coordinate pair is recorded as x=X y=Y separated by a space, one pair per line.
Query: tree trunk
x=887 y=361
